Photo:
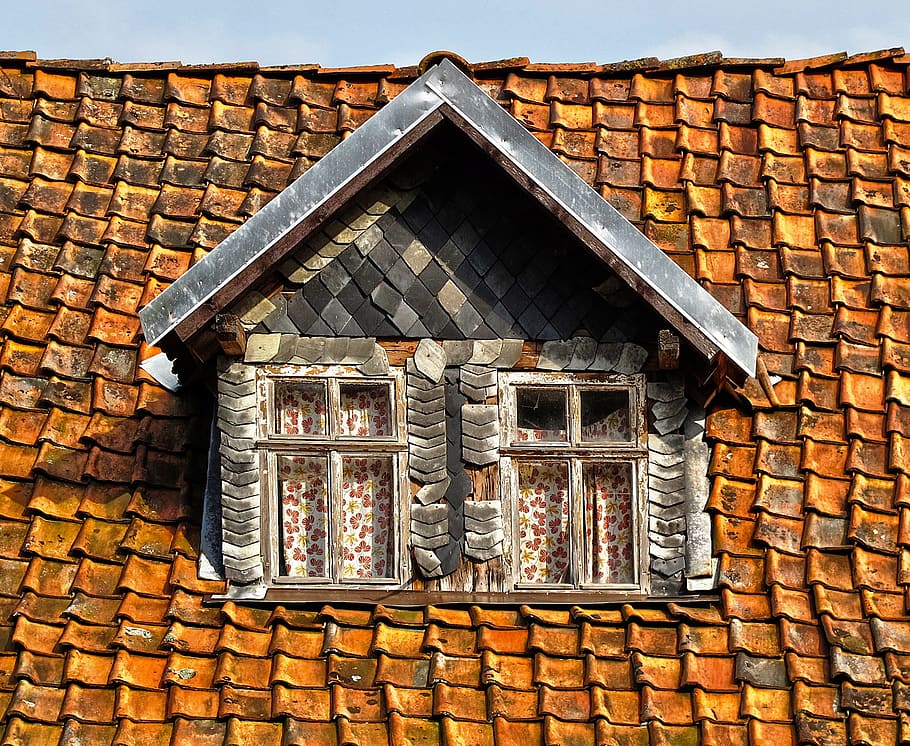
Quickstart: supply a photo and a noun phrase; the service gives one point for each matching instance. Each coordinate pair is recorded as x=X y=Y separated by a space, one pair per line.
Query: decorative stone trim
x=240 y=498
x=700 y=564
x=496 y=353
x=430 y=360
x=478 y=382
x=679 y=531
x=363 y=353
x=484 y=532
x=430 y=526
x=666 y=509
x=426 y=427
x=585 y=353
x=480 y=434
x=428 y=562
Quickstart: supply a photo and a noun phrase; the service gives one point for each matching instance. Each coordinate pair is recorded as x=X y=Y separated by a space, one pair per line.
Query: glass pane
x=367 y=502
x=303 y=491
x=543 y=522
x=542 y=415
x=365 y=410
x=301 y=408
x=609 y=527
x=605 y=415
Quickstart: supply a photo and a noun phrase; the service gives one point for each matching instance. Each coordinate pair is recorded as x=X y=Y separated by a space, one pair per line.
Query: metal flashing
x=446 y=92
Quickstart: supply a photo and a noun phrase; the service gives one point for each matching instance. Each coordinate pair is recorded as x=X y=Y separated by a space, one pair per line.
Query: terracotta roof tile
x=306 y=704
x=518 y=671
x=453 y=641
x=558 y=673
x=356 y=673
x=251 y=704
x=661 y=673
x=808 y=492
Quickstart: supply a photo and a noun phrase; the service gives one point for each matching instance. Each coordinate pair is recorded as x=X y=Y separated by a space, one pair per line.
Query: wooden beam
x=231 y=334
x=667 y=350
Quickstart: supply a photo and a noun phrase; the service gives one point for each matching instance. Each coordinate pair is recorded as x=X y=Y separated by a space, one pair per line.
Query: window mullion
x=333 y=404
x=574 y=425
x=579 y=549
x=334 y=553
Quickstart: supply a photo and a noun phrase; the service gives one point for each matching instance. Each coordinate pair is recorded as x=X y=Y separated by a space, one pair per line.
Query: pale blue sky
x=357 y=32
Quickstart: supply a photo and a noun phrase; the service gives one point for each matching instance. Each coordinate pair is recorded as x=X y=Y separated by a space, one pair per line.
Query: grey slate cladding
x=484 y=533
x=478 y=382
x=426 y=427
x=679 y=537
x=240 y=511
x=480 y=434
x=452 y=252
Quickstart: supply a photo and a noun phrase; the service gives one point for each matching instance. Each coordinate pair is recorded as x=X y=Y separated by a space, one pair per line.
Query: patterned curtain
x=610 y=428
x=536 y=435
x=364 y=411
x=605 y=416
x=301 y=408
x=543 y=522
x=303 y=488
x=542 y=415
x=608 y=521
x=366 y=513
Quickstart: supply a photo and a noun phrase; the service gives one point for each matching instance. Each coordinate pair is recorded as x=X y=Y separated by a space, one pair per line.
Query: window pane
x=605 y=415
x=609 y=529
x=301 y=408
x=542 y=415
x=367 y=501
x=543 y=522
x=365 y=410
x=303 y=491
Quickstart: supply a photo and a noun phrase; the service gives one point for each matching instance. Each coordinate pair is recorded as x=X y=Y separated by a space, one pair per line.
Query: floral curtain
x=366 y=513
x=612 y=428
x=543 y=522
x=365 y=411
x=542 y=415
x=303 y=488
x=608 y=521
x=537 y=435
x=301 y=409
x=605 y=416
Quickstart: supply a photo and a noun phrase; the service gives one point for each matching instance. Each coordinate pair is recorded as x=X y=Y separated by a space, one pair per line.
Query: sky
x=341 y=33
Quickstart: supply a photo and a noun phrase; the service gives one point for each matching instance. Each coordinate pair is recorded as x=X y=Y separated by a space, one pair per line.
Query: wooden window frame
x=270 y=445
x=575 y=453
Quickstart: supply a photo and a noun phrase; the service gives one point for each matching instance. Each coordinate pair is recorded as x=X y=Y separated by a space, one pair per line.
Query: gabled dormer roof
x=442 y=94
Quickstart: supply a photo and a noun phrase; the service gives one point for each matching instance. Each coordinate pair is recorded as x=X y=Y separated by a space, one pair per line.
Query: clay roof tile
x=508 y=670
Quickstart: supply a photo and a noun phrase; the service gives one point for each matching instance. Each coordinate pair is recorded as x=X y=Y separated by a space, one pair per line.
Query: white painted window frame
x=270 y=445
x=575 y=453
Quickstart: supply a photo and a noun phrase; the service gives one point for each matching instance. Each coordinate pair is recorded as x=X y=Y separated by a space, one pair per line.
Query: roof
x=782 y=187
x=448 y=94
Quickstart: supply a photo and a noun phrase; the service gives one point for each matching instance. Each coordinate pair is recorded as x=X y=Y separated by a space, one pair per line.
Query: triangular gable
x=444 y=93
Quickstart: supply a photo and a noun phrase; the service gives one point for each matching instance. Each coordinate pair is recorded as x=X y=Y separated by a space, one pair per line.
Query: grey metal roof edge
x=445 y=84
x=623 y=239
x=288 y=208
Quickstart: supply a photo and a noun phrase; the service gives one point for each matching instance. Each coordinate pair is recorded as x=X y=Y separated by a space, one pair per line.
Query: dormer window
x=446 y=352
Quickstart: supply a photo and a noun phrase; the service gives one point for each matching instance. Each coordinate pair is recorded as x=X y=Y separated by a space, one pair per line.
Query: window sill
x=286 y=596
